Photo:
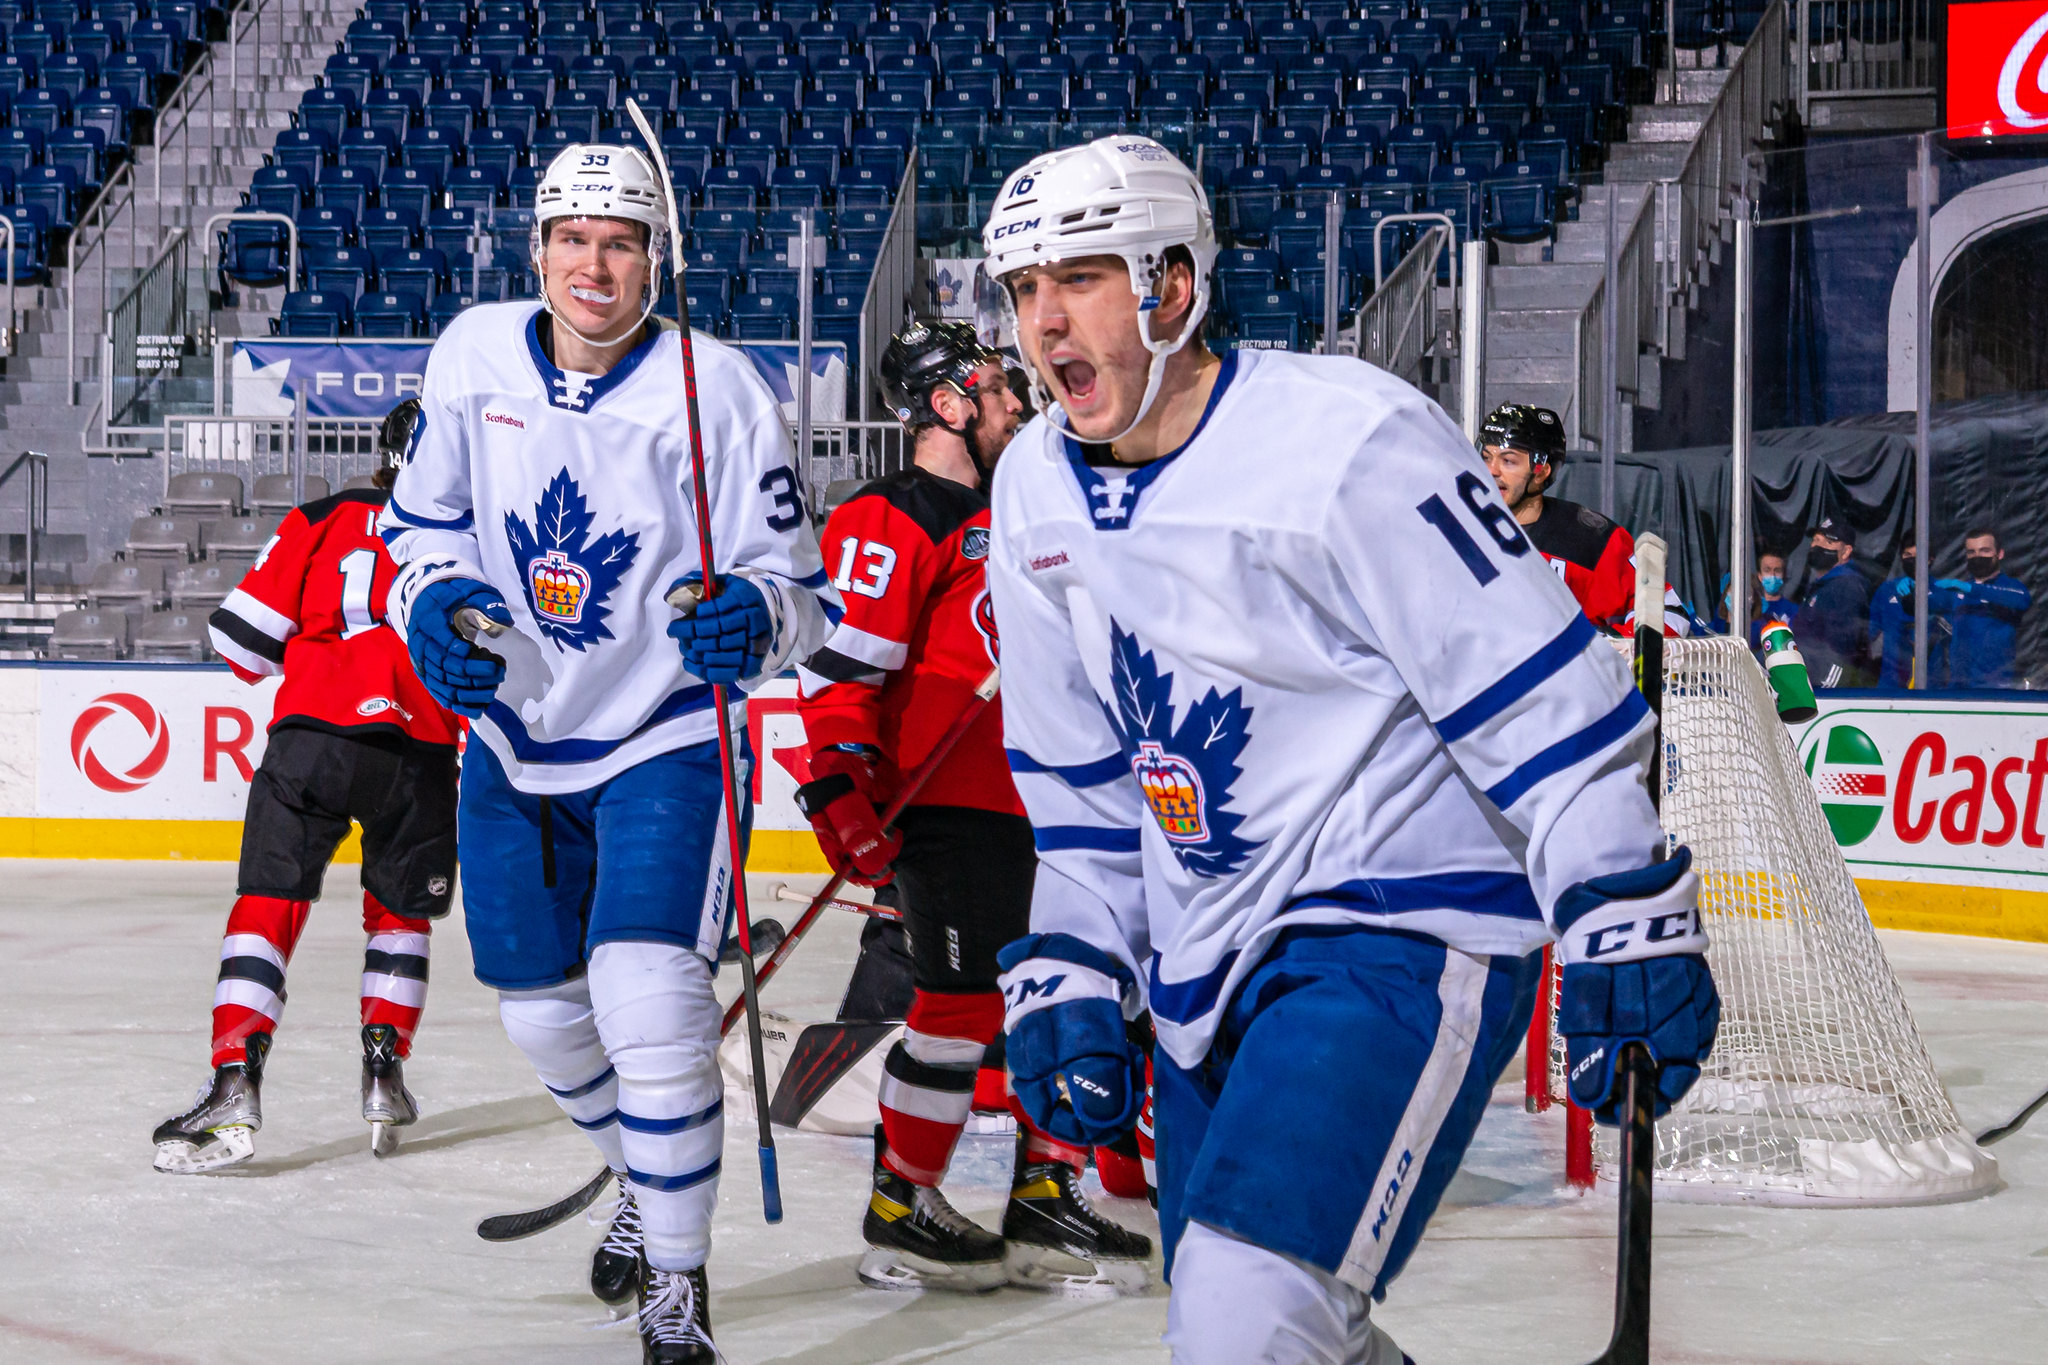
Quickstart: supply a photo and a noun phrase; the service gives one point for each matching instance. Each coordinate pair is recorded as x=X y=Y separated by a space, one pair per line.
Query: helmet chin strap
x=1161 y=350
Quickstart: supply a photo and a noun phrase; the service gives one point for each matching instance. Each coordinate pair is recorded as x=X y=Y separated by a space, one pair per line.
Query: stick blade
x=510 y=1227
x=771 y=1183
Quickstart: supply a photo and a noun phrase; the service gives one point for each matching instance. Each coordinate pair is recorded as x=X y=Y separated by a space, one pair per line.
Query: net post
x=1578 y=1146
x=1536 y=1060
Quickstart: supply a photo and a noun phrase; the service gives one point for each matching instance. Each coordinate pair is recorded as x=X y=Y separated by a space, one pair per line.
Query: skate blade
x=897 y=1270
x=1057 y=1272
x=991 y=1125
x=227 y=1146
x=383 y=1139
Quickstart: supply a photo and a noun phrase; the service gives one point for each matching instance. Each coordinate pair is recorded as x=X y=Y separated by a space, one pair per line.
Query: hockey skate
x=220 y=1127
x=615 y=1265
x=916 y=1240
x=1055 y=1240
x=387 y=1105
x=675 y=1318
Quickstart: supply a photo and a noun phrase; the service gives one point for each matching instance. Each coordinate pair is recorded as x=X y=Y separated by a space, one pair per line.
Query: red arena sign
x=1997 y=75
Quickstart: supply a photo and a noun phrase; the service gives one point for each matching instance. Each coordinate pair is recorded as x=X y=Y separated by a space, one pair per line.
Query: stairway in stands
x=1533 y=305
x=38 y=410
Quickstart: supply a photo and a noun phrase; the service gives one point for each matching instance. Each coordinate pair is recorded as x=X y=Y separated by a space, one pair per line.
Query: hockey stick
x=510 y=1227
x=881 y=912
x=2019 y=1120
x=771 y=1185
x=1630 y=1343
x=911 y=786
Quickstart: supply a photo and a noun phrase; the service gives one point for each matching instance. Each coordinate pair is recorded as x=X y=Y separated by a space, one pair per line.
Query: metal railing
x=7 y=322
x=37 y=506
x=1636 y=319
x=130 y=221
x=1695 y=208
x=1398 y=324
x=894 y=280
x=143 y=328
x=338 y=449
x=291 y=240
x=1852 y=47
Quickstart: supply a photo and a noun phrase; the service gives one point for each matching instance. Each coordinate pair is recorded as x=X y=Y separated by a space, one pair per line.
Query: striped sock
x=394 y=970
x=928 y=1080
x=249 y=995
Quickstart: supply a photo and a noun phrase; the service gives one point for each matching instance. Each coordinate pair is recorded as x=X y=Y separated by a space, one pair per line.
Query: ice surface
x=315 y=1252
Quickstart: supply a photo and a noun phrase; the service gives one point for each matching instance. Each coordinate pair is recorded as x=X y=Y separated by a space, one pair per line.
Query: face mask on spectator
x=1983 y=568
x=1773 y=584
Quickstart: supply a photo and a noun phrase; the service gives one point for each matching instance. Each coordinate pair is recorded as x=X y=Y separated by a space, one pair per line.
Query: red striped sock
x=928 y=1080
x=394 y=970
x=249 y=995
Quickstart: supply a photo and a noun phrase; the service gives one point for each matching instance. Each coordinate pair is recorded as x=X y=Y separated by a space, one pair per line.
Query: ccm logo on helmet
x=1011 y=229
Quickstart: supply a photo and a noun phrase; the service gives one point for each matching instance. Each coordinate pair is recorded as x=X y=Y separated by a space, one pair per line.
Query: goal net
x=1818 y=1090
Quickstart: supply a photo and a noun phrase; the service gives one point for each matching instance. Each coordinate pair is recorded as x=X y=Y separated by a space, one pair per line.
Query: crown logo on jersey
x=568 y=575
x=1173 y=789
x=1184 y=770
x=559 y=588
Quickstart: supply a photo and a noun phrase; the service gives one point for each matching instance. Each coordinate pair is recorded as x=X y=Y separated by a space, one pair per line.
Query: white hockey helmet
x=1116 y=196
x=600 y=180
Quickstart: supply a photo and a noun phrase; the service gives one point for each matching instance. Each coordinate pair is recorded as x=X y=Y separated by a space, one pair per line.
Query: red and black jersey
x=1596 y=558
x=908 y=554
x=312 y=608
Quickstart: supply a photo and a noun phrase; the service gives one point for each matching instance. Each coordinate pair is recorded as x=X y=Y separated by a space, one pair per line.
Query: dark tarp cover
x=1990 y=468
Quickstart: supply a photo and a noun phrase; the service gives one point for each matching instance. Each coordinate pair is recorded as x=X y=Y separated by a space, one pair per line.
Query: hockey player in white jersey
x=1317 y=753
x=548 y=491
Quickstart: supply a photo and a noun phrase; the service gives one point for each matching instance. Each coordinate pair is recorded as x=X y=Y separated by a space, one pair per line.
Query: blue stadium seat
x=1518 y=205
x=348 y=271
x=1246 y=272
x=419 y=271
x=80 y=151
x=31 y=243
x=274 y=189
x=443 y=311
x=40 y=110
x=388 y=229
x=255 y=254
x=325 y=229
x=1277 y=319
x=764 y=317
x=390 y=315
x=1253 y=197
x=310 y=313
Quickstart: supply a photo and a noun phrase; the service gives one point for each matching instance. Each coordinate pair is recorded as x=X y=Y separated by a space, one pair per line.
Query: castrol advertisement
x=1998 y=69
x=1935 y=790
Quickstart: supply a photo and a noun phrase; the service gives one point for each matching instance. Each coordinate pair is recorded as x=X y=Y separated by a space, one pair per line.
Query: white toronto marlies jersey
x=571 y=495
x=1305 y=670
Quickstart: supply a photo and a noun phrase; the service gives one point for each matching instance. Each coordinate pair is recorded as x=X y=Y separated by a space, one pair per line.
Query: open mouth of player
x=1077 y=381
x=597 y=299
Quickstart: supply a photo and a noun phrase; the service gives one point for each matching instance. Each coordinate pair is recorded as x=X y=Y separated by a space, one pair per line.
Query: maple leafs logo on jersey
x=567 y=575
x=1186 y=771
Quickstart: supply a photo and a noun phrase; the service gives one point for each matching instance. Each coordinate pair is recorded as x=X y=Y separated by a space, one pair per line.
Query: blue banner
x=365 y=378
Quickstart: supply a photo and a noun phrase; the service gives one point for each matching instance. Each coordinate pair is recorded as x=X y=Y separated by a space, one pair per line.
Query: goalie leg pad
x=659 y=1020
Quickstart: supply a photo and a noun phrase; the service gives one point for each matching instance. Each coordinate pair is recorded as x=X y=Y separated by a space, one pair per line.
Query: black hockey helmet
x=925 y=356
x=1526 y=428
x=394 y=439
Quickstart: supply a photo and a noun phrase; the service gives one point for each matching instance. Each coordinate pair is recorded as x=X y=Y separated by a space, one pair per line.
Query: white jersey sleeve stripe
x=1533 y=671
x=1616 y=726
x=853 y=643
x=1106 y=769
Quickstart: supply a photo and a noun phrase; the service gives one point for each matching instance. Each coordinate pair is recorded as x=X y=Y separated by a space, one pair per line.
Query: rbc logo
x=559 y=587
x=1174 y=791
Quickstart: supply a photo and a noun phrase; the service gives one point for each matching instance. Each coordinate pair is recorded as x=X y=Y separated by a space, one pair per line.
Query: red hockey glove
x=841 y=803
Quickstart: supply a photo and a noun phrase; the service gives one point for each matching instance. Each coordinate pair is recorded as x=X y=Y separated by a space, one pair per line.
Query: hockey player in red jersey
x=1595 y=557
x=354 y=737
x=918 y=635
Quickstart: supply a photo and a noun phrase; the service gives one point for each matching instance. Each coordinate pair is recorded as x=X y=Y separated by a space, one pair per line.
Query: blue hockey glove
x=1071 y=1062
x=725 y=639
x=461 y=676
x=1904 y=587
x=1635 y=970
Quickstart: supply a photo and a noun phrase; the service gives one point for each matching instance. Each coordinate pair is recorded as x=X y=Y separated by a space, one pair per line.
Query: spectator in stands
x=1767 y=600
x=1986 y=608
x=1891 y=627
x=1833 y=624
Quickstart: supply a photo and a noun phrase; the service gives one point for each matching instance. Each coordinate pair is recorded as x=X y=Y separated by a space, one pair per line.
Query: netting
x=1818 y=1090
